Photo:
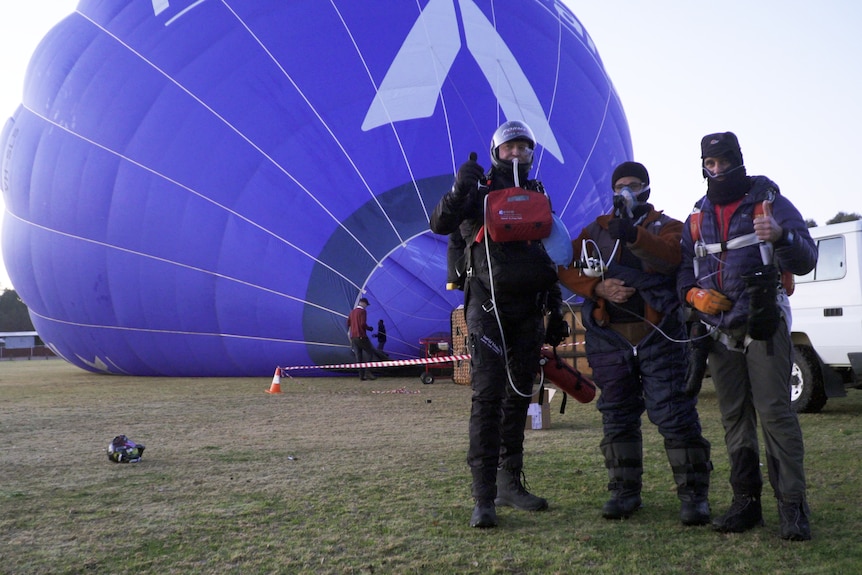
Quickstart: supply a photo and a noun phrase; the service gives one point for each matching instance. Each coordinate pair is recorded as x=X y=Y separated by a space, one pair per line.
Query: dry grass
x=329 y=477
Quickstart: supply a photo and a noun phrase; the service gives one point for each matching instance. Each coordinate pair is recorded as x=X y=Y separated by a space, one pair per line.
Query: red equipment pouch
x=567 y=378
x=516 y=214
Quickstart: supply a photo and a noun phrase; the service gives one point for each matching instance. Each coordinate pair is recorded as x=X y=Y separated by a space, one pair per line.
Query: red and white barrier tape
x=390 y=363
x=394 y=362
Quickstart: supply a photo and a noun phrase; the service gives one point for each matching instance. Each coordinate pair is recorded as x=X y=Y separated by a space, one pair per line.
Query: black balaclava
x=735 y=184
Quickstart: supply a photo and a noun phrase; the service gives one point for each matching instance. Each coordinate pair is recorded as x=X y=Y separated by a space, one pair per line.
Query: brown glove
x=708 y=300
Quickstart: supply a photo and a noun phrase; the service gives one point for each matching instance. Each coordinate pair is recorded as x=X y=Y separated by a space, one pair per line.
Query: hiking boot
x=621 y=507
x=794 y=521
x=745 y=513
x=512 y=493
x=694 y=512
x=484 y=515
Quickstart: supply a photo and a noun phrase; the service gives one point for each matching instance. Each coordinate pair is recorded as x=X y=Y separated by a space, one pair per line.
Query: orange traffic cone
x=276 y=382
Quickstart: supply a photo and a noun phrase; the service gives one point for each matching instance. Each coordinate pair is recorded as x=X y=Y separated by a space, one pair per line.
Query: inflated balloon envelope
x=206 y=188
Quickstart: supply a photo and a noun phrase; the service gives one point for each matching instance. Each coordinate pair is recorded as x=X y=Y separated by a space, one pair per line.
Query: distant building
x=19 y=339
x=22 y=345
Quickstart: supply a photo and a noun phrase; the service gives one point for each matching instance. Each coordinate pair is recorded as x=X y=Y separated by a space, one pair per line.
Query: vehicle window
x=831 y=262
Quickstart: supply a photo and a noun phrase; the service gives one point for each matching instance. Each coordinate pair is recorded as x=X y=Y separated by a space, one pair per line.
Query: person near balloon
x=357 y=325
x=380 y=336
x=738 y=239
x=509 y=287
x=625 y=269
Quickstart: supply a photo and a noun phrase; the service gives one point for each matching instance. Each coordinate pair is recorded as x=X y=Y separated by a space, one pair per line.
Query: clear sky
x=784 y=75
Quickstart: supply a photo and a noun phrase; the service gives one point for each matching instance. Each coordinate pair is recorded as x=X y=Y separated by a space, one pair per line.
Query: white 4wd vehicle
x=827 y=319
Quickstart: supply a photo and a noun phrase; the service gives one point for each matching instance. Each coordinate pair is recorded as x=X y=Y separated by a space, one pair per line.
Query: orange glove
x=708 y=300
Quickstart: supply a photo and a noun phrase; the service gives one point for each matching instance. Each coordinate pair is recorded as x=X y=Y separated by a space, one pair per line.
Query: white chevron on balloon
x=413 y=82
x=160 y=6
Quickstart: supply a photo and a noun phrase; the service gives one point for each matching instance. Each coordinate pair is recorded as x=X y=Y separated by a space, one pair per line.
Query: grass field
x=331 y=477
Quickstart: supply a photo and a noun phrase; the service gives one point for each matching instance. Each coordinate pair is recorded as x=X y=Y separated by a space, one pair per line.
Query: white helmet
x=511 y=130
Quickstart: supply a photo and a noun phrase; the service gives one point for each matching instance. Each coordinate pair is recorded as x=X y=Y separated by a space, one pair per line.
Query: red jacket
x=357 y=322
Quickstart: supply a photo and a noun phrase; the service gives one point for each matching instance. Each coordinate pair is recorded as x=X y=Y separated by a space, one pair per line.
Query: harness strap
x=701 y=249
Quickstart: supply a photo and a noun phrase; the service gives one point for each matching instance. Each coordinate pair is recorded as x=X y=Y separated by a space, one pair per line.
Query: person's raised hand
x=468 y=176
x=623 y=229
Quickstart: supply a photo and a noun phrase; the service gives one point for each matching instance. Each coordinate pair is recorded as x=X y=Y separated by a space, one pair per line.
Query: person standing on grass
x=739 y=237
x=634 y=334
x=380 y=335
x=509 y=287
x=357 y=325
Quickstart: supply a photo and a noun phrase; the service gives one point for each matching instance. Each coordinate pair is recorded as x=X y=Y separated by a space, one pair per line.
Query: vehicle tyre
x=427 y=378
x=807 y=392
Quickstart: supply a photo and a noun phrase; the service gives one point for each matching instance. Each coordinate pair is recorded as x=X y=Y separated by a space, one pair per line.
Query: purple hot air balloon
x=205 y=188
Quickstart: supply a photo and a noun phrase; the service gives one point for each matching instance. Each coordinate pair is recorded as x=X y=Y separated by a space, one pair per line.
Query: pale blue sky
x=783 y=74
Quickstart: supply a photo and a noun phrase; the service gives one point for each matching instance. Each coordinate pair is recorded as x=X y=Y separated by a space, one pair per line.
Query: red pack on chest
x=516 y=214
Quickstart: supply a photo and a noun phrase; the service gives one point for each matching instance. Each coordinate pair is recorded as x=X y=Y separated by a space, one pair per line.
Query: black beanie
x=630 y=169
x=721 y=144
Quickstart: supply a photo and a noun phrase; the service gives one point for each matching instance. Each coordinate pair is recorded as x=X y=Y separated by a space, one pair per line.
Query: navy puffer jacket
x=723 y=271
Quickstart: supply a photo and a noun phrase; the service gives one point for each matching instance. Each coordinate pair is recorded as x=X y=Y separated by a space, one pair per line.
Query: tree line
x=13 y=313
x=836 y=219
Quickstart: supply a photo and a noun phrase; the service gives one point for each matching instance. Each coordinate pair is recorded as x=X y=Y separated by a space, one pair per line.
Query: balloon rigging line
x=595 y=143
x=235 y=336
x=520 y=102
x=189 y=190
x=183 y=332
x=236 y=130
x=438 y=61
x=172 y=262
x=316 y=115
x=395 y=133
x=556 y=84
x=590 y=48
x=405 y=284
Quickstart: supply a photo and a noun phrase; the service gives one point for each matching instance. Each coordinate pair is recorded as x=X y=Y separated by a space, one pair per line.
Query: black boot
x=694 y=512
x=484 y=514
x=745 y=513
x=691 y=468
x=484 y=492
x=794 y=520
x=621 y=506
x=512 y=493
x=625 y=469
